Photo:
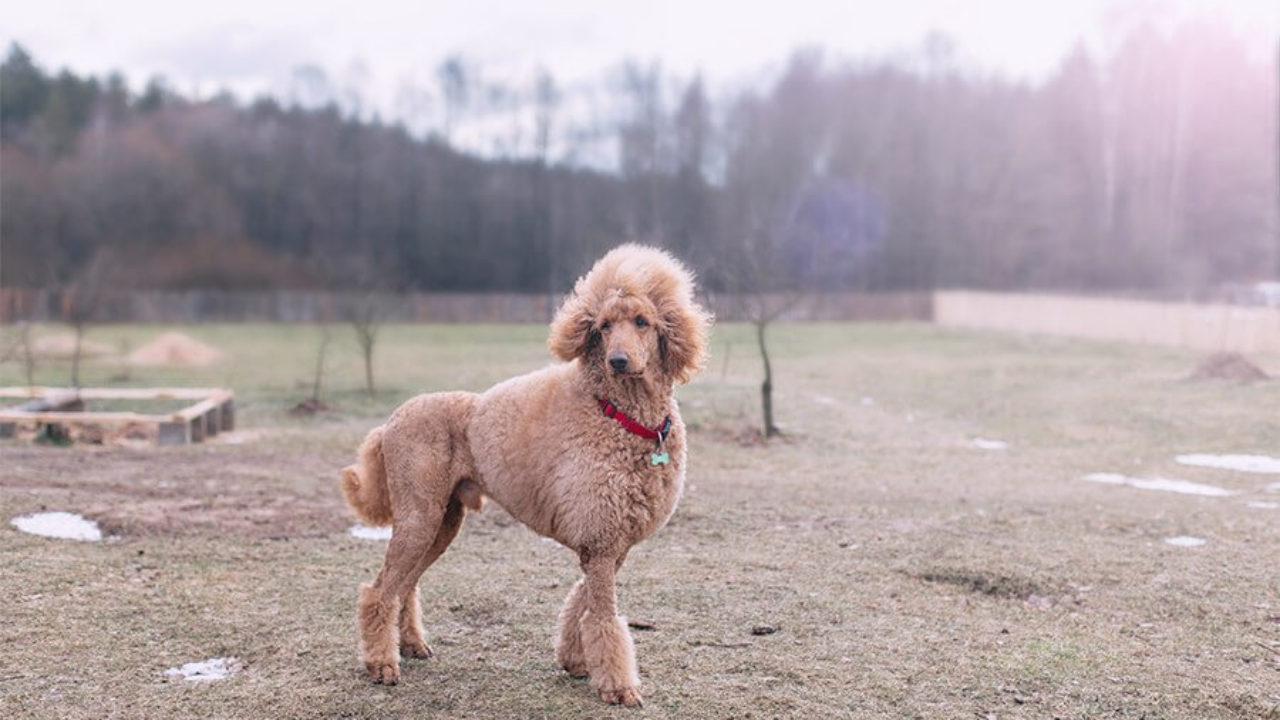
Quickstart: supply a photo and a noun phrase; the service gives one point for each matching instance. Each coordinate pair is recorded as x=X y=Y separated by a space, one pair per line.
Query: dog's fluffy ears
x=572 y=330
x=682 y=324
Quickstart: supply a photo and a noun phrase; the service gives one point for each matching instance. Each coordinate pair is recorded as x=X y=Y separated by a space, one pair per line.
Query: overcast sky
x=252 y=46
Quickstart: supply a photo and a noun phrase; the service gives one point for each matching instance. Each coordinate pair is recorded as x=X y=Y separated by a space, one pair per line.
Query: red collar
x=658 y=434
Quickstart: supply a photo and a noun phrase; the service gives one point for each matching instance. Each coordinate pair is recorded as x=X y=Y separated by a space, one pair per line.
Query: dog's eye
x=641 y=322
x=605 y=327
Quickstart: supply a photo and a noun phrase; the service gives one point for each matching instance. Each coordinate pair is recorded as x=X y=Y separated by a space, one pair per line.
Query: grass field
x=908 y=574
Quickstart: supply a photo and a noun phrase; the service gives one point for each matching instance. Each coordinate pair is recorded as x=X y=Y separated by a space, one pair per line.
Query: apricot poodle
x=589 y=452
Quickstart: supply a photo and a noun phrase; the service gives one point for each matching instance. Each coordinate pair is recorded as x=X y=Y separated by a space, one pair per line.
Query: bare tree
x=28 y=352
x=20 y=348
x=690 y=197
x=455 y=80
x=750 y=274
x=310 y=87
x=366 y=323
x=642 y=147
x=546 y=101
x=773 y=150
x=82 y=300
x=322 y=352
x=414 y=105
x=363 y=312
x=329 y=269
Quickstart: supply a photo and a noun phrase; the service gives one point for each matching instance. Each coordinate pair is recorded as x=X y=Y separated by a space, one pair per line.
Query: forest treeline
x=1153 y=167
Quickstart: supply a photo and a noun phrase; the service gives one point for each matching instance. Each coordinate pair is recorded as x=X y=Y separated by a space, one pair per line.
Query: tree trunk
x=319 y=376
x=28 y=355
x=366 y=344
x=766 y=388
x=75 y=357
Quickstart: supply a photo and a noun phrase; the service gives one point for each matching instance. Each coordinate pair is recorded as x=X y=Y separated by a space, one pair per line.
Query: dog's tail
x=365 y=483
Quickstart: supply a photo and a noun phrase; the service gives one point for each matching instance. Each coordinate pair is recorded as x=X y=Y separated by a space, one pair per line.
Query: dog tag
x=661 y=458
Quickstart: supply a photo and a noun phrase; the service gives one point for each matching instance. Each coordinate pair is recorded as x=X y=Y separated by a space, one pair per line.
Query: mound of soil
x=738 y=433
x=1228 y=366
x=174 y=348
x=63 y=346
x=310 y=407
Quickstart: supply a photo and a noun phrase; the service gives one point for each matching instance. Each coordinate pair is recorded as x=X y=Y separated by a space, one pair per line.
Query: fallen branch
x=707 y=643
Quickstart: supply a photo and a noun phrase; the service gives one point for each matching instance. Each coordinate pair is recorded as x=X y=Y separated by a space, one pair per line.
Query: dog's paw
x=383 y=673
x=626 y=696
x=415 y=649
x=575 y=669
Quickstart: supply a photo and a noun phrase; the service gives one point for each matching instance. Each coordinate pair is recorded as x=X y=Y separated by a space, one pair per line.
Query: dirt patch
x=264 y=515
x=174 y=348
x=742 y=434
x=310 y=406
x=63 y=347
x=218 y=492
x=1008 y=587
x=1228 y=366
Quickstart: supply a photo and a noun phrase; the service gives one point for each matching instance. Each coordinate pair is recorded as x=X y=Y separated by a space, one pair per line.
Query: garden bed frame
x=212 y=410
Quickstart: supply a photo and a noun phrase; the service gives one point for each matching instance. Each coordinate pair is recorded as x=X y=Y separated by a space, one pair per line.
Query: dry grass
x=906 y=573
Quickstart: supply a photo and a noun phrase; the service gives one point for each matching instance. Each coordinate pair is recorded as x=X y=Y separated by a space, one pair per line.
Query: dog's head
x=633 y=316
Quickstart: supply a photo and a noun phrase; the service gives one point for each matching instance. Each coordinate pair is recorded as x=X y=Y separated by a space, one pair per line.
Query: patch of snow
x=867 y=401
x=364 y=532
x=1241 y=463
x=59 y=524
x=825 y=400
x=985 y=444
x=209 y=670
x=1185 y=541
x=1273 y=487
x=1164 y=484
x=1039 y=602
x=1262 y=505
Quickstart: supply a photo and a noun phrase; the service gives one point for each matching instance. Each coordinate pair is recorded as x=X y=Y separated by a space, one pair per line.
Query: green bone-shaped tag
x=661 y=458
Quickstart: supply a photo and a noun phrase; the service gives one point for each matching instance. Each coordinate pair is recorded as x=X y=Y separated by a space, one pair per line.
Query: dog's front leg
x=606 y=643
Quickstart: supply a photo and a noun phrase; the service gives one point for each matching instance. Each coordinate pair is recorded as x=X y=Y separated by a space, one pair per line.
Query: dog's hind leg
x=413 y=643
x=381 y=602
x=424 y=456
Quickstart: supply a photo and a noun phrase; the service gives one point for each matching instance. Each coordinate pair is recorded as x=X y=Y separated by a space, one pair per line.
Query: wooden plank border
x=212 y=413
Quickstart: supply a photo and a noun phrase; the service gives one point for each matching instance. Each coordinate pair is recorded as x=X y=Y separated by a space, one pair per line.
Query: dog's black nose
x=618 y=363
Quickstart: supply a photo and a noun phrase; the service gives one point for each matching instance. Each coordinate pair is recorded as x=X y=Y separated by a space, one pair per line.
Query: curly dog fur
x=540 y=447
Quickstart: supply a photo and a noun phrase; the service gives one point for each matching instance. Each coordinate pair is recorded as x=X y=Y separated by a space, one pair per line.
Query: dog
x=590 y=452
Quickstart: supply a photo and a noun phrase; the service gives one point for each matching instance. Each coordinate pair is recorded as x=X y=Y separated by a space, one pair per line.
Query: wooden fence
x=284 y=306
x=1187 y=325
x=1196 y=326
